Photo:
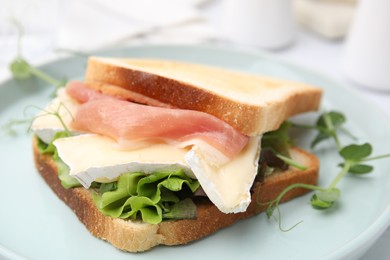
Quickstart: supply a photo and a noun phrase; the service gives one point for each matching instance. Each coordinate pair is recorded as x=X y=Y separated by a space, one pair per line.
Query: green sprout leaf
x=329 y=195
x=356 y=152
x=278 y=140
x=279 y=143
x=320 y=204
x=20 y=69
x=335 y=117
x=319 y=138
x=327 y=125
x=359 y=168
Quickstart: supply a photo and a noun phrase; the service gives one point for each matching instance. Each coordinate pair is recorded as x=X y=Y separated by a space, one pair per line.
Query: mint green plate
x=35 y=224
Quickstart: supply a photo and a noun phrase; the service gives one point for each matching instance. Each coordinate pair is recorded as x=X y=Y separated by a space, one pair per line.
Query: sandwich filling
x=134 y=125
x=152 y=198
x=196 y=144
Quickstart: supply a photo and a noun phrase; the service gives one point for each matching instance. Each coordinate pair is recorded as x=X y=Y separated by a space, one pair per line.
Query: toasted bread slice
x=135 y=236
x=250 y=103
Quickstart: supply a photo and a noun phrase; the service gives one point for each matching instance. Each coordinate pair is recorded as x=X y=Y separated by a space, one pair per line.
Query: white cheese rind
x=92 y=157
x=227 y=186
x=46 y=125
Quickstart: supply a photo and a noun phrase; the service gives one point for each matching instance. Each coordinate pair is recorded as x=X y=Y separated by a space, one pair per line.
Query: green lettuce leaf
x=152 y=198
x=104 y=187
x=159 y=184
x=149 y=197
x=278 y=140
x=149 y=212
x=184 y=209
x=67 y=181
x=126 y=186
x=50 y=148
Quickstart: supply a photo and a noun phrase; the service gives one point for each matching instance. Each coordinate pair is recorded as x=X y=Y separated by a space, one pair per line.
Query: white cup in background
x=266 y=24
x=366 y=58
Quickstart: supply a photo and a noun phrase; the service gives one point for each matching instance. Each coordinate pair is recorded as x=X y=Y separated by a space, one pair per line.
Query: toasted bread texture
x=135 y=236
x=251 y=103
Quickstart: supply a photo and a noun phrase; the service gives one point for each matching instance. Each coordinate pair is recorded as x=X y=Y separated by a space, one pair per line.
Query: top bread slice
x=252 y=104
x=136 y=236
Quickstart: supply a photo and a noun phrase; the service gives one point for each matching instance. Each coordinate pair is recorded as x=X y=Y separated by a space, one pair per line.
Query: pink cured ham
x=80 y=92
x=135 y=125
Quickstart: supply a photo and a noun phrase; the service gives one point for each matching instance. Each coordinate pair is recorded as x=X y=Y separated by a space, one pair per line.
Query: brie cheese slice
x=93 y=157
x=227 y=186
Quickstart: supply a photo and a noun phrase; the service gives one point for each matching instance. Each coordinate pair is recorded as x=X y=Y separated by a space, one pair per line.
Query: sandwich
x=151 y=152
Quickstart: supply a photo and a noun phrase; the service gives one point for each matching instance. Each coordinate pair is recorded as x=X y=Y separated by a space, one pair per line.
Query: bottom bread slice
x=136 y=236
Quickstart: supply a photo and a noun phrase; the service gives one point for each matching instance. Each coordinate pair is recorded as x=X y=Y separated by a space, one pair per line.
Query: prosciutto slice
x=80 y=92
x=134 y=125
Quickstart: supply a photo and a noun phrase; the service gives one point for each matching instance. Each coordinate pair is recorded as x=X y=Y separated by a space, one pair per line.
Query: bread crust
x=251 y=116
x=135 y=236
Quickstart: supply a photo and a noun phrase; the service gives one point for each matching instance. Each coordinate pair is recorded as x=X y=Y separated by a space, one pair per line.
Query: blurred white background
x=310 y=32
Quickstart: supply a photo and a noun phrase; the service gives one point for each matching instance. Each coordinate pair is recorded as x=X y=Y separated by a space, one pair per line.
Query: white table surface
x=325 y=56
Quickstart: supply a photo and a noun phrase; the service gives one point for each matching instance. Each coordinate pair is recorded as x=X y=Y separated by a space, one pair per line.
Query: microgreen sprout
x=22 y=69
x=327 y=125
x=274 y=204
x=279 y=219
x=10 y=127
x=279 y=142
x=291 y=162
x=354 y=156
x=53 y=112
